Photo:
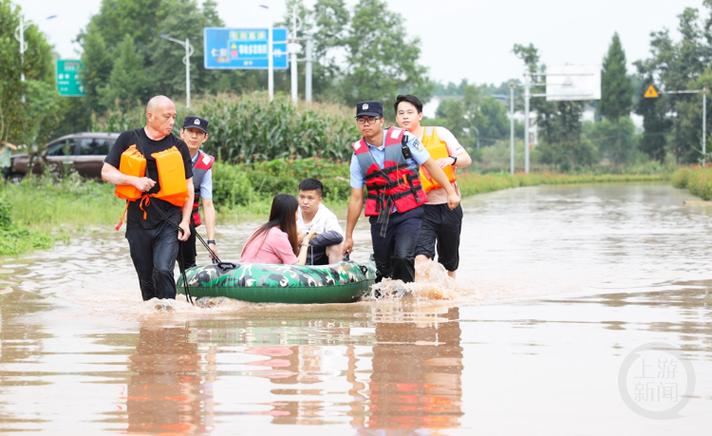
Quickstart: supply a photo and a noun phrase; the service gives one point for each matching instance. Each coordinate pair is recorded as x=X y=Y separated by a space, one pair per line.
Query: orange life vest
x=171 y=178
x=133 y=164
x=437 y=148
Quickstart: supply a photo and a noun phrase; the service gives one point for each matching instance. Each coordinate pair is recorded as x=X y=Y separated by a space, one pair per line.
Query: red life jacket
x=396 y=184
x=201 y=166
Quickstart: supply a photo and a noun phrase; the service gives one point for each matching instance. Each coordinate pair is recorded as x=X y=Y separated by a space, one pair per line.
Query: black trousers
x=154 y=252
x=187 y=252
x=395 y=253
x=444 y=226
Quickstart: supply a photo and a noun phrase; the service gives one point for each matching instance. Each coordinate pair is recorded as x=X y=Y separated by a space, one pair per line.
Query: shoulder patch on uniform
x=416 y=143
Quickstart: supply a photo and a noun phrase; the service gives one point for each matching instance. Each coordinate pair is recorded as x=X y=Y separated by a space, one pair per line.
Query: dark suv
x=84 y=152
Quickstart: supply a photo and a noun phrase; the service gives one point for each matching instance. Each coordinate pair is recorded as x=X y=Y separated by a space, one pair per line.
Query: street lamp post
x=186 y=60
x=511 y=127
x=20 y=36
x=308 y=69
x=527 y=96
x=270 y=61
x=293 y=48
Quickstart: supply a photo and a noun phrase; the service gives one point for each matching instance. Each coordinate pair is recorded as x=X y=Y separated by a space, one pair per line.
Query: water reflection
x=297 y=374
x=402 y=372
x=169 y=390
x=416 y=380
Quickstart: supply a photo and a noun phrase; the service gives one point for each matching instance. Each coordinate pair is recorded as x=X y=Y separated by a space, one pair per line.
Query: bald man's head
x=160 y=116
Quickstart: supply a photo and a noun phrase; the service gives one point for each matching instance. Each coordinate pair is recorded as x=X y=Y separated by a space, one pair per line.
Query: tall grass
x=50 y=205
x=42 y=210
x=698 y=181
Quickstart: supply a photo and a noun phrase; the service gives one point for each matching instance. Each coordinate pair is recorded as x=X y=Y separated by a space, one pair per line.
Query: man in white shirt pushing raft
x=440 y=223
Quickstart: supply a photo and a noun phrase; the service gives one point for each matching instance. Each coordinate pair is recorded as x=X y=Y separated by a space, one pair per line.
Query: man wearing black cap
x=195 y=132
x=387 y=163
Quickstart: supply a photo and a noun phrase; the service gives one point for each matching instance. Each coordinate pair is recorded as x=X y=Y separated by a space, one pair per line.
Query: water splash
x=432 y=282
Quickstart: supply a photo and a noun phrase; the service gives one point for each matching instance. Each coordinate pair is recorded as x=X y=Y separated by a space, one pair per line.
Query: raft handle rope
x=186 y=289
x=226 y=266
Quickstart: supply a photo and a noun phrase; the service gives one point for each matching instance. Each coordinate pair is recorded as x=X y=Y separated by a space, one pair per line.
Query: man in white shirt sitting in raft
x=324 y=247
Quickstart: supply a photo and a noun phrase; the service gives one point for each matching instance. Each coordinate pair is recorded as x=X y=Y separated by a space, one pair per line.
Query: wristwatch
x=454 y=160
x=211 y=241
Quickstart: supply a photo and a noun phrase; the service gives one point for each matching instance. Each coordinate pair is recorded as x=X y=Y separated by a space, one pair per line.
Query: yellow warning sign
x=651 y=92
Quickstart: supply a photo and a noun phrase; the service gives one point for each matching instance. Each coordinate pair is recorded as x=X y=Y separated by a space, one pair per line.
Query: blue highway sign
x=226 y=48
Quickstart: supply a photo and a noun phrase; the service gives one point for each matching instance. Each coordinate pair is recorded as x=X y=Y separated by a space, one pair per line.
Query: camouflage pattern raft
x=342 y=282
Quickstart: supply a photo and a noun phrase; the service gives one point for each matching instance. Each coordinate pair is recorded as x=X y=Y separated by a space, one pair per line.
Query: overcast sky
x=459 y=39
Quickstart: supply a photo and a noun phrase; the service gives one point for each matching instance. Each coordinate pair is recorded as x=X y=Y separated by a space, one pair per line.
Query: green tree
x=473 y=116
x=182 y=19
x=655 y=127
x=23 y=122
x=557 y=122
x=673 y=66
x=493 y=122
x=98 y=64
x=690 y=58
x=567 y=155
x=127 y=82
x=156 y=63
x=380 y=60
x=614 y=139
x=452 y=113
x=616 y=91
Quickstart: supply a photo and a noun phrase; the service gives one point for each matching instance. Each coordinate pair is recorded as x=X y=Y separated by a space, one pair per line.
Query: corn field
x=248 y=128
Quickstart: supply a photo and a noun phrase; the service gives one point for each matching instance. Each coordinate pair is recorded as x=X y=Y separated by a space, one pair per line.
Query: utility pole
x=704 y=125
x=293 y=48
x=20 y=37
x=702 y=91
x=270 y=60
x=511 y=127
x=186 y=60
x=527 y=96
x=308 y=69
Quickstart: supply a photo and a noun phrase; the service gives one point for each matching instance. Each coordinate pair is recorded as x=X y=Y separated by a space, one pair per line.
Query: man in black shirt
x=152 y=226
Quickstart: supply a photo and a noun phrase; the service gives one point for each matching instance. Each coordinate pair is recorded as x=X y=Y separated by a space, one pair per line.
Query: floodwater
x=579 y=310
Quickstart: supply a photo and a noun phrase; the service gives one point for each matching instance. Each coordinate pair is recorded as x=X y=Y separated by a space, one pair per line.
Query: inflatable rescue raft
x=342 y=282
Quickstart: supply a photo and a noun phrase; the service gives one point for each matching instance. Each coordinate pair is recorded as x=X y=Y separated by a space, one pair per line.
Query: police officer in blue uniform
x=194 y=133
x=387 y=162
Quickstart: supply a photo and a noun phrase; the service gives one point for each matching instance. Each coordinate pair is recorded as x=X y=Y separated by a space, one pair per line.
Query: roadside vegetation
x=41 y=210
x=697 y=180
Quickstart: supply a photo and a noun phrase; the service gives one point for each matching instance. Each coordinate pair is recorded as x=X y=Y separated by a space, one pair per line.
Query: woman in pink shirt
x=276 y=240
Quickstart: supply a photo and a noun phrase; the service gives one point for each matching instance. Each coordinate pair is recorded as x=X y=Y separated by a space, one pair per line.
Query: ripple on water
x=556 y=287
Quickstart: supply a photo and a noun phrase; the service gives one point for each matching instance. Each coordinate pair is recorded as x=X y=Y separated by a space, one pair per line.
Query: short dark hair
x=312 y=185
x=415 y=101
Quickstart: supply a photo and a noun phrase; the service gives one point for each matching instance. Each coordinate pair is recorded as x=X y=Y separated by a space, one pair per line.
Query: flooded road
x=580 y=310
